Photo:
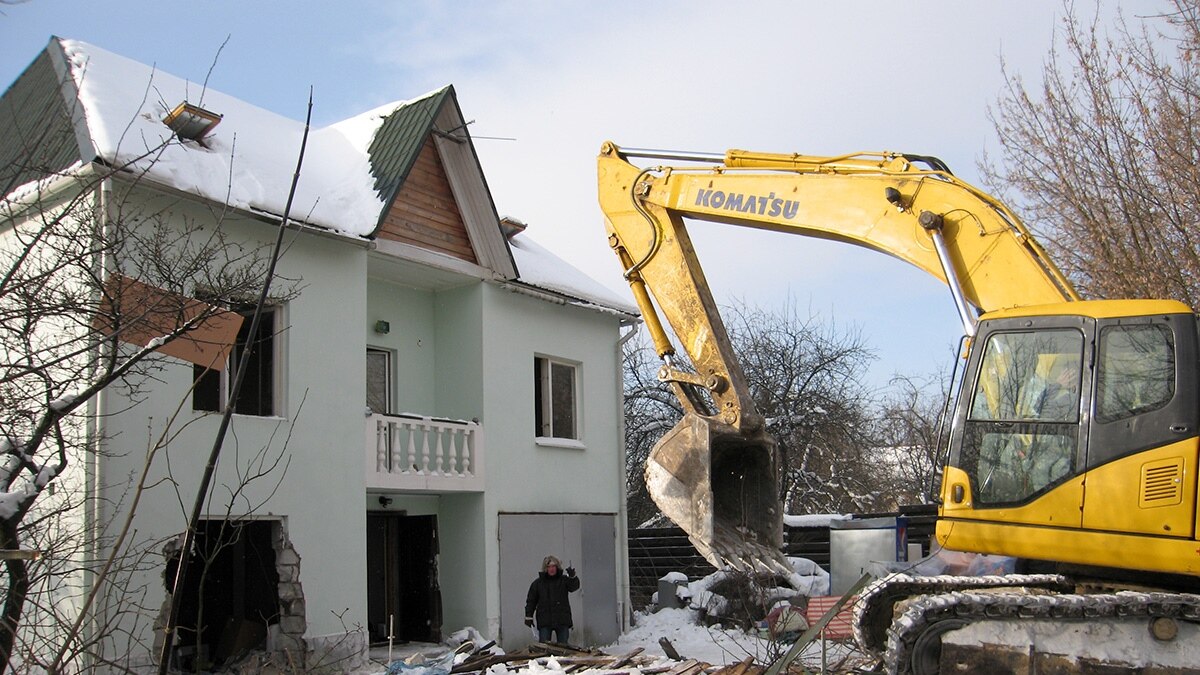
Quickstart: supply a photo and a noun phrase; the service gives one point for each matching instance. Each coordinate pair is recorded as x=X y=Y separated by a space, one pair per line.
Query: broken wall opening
x=241 y=593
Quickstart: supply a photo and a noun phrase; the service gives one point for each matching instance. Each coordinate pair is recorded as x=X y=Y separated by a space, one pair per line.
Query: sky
x=546 y=82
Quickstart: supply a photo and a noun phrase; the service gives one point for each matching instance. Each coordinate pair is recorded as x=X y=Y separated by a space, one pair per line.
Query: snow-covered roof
x=247 y=161
x=541 y=268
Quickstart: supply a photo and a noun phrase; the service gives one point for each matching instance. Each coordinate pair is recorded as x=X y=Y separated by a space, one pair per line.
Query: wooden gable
x=425 y=213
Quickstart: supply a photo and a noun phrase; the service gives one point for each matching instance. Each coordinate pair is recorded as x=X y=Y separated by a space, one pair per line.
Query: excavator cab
x=1076 y=436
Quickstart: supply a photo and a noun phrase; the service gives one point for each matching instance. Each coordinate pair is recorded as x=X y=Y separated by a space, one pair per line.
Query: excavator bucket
x=721 y=486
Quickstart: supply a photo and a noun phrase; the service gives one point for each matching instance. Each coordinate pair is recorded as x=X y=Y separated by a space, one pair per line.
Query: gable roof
x=78 y=103
x=398 y=141
x=435 y=123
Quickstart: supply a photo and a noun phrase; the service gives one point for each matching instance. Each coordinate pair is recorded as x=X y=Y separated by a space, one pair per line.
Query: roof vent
x=191 y=122
x=511 y=227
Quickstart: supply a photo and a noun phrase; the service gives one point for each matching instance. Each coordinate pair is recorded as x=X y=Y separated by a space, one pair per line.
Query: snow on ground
x=714 y=645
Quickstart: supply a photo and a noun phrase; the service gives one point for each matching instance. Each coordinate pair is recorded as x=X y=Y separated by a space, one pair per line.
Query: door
x=587 y=541
x=403 y=597
x=1143 y=443
x=1022 y=431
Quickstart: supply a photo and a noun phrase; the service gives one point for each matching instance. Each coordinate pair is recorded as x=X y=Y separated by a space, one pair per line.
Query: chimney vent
x=511 y=227
x=191 y=122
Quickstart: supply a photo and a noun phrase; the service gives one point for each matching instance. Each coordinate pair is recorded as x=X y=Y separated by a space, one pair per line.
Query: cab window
x=1135 y=371
x=1022 y=431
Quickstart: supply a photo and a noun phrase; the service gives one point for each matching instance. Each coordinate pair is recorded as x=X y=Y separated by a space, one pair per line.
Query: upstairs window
x=259 y=387
x=555 y=398
x=379 y=380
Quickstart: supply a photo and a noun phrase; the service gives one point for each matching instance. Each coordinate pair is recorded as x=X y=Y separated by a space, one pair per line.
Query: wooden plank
x=627 y=658
x=686 y=668
x=409 y=226
x=423 y=197
x=445 y=213
x=428 y=230
x=695 y=668
x=425 y=212
x=461 y=250
x=449 y=229
x=401 y=222
x=744 y=667
x=669 y=649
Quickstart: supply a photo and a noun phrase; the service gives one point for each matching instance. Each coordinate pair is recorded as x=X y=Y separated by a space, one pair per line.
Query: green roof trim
x=394 y=149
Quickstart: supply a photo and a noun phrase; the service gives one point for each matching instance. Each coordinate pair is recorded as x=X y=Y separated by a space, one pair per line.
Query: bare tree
x=98 y=276
x=1104 y=154
x=806 y=380
x=908 y=432
x=651 y=409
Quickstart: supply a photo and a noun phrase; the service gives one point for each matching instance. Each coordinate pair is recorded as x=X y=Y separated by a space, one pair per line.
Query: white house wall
x=465 y=574
x=322 y=424
x=57 y=584
x=411 y=340
x=462 y=567
x=465 y=352
x=535 y=478
x=462 y=331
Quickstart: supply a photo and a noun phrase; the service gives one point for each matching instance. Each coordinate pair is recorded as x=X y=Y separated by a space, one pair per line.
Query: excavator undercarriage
x=1025 y=624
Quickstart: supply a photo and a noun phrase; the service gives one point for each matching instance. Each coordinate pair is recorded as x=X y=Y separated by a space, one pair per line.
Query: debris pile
x=543 y=657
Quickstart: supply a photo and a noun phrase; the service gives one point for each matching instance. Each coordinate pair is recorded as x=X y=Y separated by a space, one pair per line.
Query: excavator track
x=915 y=637
x=874 y=608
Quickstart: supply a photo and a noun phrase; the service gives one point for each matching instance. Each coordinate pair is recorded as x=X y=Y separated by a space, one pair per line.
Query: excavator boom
x=716 y=473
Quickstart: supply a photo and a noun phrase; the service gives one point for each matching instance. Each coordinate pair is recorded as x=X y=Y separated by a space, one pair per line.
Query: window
x=1022 y=434
x=259 y=387
x=379 y=380
x=555 y=398
x=1135 y=371
x=1030 y=377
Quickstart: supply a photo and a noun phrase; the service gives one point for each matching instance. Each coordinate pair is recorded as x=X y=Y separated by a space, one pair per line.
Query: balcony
x=415 y=453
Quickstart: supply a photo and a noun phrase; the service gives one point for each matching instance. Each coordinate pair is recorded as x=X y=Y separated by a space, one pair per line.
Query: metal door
x=587 y=541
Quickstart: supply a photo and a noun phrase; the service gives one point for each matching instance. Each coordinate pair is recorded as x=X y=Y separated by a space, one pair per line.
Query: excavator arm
x=716 y=472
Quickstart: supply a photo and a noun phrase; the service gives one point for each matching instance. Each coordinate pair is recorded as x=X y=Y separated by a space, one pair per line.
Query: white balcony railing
x=411 y=452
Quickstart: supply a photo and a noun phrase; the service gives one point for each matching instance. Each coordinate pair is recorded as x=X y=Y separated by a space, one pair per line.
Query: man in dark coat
x=547 y=601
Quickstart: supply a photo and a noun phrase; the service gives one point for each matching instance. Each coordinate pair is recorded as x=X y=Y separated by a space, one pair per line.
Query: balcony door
x=379 y=380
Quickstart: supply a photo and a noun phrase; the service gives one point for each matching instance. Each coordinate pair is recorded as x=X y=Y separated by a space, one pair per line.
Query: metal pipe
x=952 y=280
x=678 y=155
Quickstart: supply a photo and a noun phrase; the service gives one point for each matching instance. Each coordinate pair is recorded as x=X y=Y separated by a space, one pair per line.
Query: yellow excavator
x=1072 y=443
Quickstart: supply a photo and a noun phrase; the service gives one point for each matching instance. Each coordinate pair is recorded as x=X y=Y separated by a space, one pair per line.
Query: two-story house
x=432 y=402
